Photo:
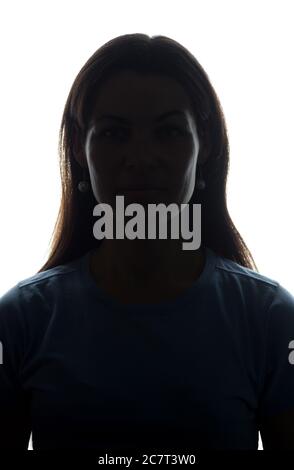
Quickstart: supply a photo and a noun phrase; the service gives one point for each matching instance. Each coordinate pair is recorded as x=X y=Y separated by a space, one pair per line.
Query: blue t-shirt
x=82 y=370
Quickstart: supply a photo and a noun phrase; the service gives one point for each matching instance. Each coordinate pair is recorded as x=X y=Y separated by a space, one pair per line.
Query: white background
x=246 y=47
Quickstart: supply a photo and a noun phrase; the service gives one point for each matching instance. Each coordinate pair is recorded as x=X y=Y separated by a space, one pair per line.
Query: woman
x=137 y=343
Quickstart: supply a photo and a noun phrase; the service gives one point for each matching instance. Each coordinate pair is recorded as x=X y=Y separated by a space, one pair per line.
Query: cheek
x=184 y=168
x=102 y=156
x=182 y=152
x=187 y=177
x=102 y=168
x=98 y=177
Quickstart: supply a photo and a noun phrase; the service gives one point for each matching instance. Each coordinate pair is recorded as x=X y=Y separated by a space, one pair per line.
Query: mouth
x=140 y=189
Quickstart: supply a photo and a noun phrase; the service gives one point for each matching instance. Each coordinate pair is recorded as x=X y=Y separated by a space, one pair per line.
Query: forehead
x=137 y=95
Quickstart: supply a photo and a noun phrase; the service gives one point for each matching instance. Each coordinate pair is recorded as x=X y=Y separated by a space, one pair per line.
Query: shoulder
x=240 y=285
x=250 y=296
x=37 y=291
x=28 y=308
x=247 y=280
x=233 y=271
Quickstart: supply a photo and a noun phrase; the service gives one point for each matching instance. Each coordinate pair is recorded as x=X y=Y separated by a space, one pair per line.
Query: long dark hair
x=73 y=231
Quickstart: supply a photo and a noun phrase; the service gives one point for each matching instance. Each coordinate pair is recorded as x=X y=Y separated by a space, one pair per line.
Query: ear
x=204 y=149
x=77 y=147
x=203 y=155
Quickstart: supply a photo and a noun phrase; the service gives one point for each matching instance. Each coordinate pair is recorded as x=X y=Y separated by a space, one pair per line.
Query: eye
x=170 y=130
x=111 y=131
x=118 y=132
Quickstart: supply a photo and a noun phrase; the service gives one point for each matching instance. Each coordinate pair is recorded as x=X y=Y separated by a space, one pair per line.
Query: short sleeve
x=15 y=426
x=278 y=387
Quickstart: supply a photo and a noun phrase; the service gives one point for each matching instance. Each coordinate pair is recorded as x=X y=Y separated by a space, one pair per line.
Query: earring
x=84 y=185
x=200 y=182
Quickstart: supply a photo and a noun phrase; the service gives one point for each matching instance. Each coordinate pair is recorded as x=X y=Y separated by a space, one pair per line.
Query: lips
x=139 y=188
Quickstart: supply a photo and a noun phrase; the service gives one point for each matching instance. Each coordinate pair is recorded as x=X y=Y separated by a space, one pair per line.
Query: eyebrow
x=159 y=118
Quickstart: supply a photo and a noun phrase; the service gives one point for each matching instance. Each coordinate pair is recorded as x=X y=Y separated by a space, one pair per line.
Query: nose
x=140 y=152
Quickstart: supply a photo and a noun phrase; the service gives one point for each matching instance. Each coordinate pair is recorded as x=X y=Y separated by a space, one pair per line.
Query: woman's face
x=139 y=145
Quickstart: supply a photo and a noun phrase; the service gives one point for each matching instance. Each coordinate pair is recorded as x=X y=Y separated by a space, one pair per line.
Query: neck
x=142 y=261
